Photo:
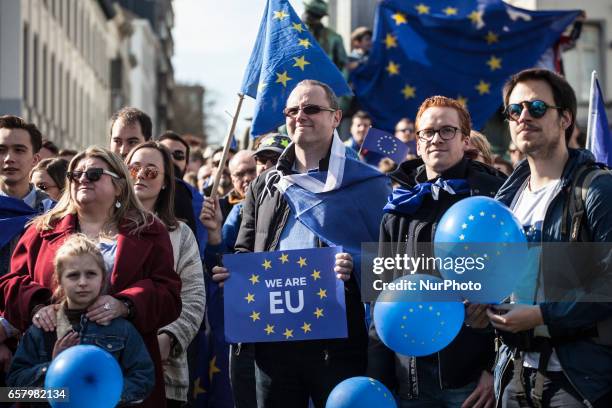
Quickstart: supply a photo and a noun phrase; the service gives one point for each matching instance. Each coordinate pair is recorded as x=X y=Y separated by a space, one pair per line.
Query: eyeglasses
x=178 y=155
x=92 y=174
x=265 y=158
x=148 y=172
x=43 y=186
x=536 y=109
x=293 y=111
x=445 y=132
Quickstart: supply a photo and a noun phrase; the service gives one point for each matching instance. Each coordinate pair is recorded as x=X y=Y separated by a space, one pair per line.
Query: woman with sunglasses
x=100 y=203
x=151 y=169
x=49 y=175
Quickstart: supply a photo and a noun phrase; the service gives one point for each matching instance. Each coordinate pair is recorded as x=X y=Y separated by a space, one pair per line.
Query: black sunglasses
x=178 y=155
x=536 y=109
x=293 y=111
x=92 y=174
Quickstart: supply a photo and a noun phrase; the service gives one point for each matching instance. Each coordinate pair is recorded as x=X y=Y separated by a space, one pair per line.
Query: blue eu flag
x=386 y=144
x=599 y=137
x=284 y=296
x=285 y=53
x=462 y=49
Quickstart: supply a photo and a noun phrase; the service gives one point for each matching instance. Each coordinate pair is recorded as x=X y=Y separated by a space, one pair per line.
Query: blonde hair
x=130 y=211
x=481 y=143
x=75 y=245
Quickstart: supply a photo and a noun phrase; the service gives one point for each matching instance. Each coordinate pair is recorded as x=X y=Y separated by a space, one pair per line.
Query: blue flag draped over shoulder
x=14 y=214
x=343 y=205
x=462 y=49
x=600 y=138
x=285 y=53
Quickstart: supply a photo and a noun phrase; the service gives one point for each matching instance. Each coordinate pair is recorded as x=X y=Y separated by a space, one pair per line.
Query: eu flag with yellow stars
x=462 y=49
x=285 y=53
x=284 y=296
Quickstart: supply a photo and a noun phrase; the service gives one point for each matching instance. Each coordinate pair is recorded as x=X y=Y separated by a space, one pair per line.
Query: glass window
x=580 y=61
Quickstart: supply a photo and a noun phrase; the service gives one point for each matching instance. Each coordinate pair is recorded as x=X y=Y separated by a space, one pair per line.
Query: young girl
x=80 y=278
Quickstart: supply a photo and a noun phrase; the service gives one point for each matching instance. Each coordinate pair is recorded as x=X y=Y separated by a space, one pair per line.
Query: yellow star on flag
x=297 y=27
x=254 y=278
x=212 y=368
x=269 y=329
x=302 y=262
x=462 y=100
x=316 y=274
x=280 y=15
x=392 y=68
x=450 y=11
x=266 y=264
x=409 y=92
x=283 y=78
x=306 y=327
x=399 y=18
x=249 y=297
x=288 y=333
x=476 y=18
x=390 y=41
x=494 y=63
x=255 y=315
x=300 y=62
x=197 y=388
x=491 y=37
x=483 y=87
x=318 y=312
x=322 y=293
x=305 y=42
x=422 y=8
x=284 y=258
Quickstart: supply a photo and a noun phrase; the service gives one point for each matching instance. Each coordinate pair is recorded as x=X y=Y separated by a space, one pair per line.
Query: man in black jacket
x=289 y=373
x=459 y=375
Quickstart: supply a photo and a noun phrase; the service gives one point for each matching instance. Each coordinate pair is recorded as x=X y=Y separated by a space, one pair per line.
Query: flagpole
x=226 y=147
x=589 y=141
x=363 y=141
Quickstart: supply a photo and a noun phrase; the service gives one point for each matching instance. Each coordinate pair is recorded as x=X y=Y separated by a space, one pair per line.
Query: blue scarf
x=408 y=201
x=14 y=214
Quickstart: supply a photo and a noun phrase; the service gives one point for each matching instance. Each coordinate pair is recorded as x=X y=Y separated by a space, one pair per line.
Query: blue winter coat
x=587 y=365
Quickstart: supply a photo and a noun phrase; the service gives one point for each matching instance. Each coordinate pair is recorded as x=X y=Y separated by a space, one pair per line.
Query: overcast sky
x=212 y=44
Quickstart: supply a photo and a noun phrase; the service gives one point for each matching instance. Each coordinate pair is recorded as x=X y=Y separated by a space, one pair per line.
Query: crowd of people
x=116 y=246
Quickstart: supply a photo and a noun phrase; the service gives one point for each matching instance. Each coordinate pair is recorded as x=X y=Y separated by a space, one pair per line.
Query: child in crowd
x=80 y=278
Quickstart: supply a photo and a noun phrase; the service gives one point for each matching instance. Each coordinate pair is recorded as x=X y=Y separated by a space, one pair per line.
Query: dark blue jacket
x=587 y=365
x=120 y=338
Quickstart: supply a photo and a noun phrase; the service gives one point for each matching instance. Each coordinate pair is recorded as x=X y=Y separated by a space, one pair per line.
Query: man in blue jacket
x=555 y=353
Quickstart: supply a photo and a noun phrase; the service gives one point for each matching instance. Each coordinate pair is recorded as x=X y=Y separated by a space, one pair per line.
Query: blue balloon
x=486 y=232
x=418 y=321
x=360 y=392
x=92 y=376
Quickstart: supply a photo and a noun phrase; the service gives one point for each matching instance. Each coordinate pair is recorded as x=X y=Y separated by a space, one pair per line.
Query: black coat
x=472 y=351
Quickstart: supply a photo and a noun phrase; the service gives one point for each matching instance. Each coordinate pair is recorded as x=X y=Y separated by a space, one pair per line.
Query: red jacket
x=143 y=273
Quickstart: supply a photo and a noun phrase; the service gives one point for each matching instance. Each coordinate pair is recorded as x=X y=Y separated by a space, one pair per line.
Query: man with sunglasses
x=269 y=150
x=20 y=143
x=287 y=374
x=554 y=354
x=460 y=374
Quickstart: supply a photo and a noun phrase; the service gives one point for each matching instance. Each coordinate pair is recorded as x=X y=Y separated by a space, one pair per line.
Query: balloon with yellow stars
x=360 y=392
x=412 y=323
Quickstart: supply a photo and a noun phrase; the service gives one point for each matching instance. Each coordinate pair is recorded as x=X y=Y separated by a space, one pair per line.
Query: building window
x=35 y=82
x=587 y=56
x=45 y=80
x=26 y=62
x=52 y=84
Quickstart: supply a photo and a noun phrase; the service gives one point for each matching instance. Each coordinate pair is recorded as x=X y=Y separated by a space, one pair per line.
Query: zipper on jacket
x=237 y=349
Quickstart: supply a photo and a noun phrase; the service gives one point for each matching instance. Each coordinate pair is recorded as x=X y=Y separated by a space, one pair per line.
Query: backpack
x=575 y=205
x=579 y=230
